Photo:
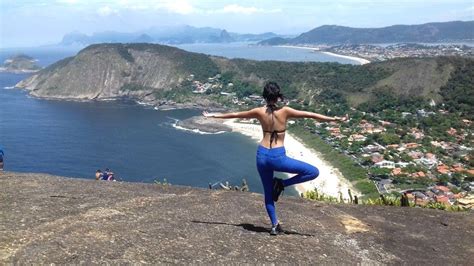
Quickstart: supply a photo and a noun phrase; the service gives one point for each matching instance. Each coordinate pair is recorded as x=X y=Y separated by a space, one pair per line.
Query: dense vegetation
x=331 y=81
x=458 y=93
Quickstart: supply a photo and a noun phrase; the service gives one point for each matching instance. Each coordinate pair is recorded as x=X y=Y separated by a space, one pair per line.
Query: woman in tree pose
x=271 y=154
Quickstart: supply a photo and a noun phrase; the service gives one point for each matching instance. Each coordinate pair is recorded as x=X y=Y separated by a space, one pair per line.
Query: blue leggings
x=270 y=160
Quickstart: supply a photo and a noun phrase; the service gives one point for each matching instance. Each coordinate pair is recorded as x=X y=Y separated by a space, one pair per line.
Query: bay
x=255 y=52
x=138 y=143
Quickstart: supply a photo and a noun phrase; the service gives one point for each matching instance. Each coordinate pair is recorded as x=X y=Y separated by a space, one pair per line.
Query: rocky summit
x=50 y=219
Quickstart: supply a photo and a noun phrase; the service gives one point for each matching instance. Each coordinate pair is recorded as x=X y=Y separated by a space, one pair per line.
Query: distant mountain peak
x=177 y=34
x=428 y=32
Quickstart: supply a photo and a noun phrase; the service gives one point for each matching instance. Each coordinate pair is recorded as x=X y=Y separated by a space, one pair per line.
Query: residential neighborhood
x=406 y=159
x=382 y=53
x=404 y=151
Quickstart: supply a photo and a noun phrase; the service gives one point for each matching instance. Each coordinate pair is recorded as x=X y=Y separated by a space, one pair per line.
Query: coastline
x=361 y=61
x=330 y=180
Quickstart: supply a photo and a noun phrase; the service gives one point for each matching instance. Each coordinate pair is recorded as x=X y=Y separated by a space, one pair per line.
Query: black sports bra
x=274 y=133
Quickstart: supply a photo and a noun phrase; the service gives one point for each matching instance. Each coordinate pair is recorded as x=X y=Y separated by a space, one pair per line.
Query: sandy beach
x=361 y=61
x=330 y=180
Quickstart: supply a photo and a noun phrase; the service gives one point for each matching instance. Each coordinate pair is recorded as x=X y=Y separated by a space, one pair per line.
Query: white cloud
x=238 y=9
x=106 y=11
x=180 y=7
x=71 y=2
x=186 y=7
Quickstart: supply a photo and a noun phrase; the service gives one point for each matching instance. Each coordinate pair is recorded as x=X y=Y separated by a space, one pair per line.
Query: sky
x=27 y=23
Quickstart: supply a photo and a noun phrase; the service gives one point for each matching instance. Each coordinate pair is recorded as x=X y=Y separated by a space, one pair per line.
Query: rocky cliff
x=49 y=219
x=116 y=70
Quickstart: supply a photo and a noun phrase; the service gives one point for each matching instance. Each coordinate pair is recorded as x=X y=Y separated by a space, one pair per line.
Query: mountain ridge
x=171 y=35
x=150 y=73
x=424 y=33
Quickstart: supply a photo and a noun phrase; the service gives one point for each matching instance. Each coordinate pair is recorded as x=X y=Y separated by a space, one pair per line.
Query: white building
x=385 y=164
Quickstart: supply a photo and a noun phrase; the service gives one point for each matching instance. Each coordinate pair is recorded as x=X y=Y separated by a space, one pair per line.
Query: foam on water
x=196 y=131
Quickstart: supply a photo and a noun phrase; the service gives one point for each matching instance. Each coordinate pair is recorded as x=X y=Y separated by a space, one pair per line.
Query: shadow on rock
x=252 y=228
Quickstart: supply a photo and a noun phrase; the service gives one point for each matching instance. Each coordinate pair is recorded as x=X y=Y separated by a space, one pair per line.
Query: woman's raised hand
x=207 y=114
x=342 y=119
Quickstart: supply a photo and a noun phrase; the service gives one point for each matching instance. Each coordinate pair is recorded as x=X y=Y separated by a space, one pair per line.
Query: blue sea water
x=138 y=143
x=254 y=52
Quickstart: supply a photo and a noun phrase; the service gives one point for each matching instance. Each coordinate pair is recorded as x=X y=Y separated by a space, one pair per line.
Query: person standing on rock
x=271 y=153
x=1 y=158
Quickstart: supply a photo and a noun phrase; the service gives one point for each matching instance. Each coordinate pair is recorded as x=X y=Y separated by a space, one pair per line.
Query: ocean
x=249 y=51
x=138 y=143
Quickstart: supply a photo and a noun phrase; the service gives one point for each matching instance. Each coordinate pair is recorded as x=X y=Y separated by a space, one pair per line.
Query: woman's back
x=273 y=121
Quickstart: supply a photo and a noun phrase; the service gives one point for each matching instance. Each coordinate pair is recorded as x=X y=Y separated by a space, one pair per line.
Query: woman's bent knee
x=313 y=172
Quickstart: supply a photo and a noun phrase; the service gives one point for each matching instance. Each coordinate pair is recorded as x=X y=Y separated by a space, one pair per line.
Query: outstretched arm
x=245 y=114
x=292 y=113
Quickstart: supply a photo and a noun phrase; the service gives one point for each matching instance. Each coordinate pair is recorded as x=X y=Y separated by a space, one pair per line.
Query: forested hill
x=152 y=73
x=425 y=33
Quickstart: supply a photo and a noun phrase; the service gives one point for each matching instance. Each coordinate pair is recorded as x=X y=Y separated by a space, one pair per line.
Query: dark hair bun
x=271 y=92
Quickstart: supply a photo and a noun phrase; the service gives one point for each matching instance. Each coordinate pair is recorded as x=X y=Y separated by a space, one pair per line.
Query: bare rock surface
x=201 y=123
x=49 y=219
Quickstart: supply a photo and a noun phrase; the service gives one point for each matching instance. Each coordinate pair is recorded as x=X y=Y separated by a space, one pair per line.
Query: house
x=442 y=169
x=334 y=131
x=411 y=145
x=415 y=154
x=417 y=134
x=401 y=164
x=405 y=114
x=256 y=98
x=371 y=148
x=419 y=174
x=366 y=127
x=436 y=143
x=378 y=130
x=451 y=131
x=445 y=189
x=442 y=199
x=357 y=137
x=423 y=113
x=397 y=171
x=392 y=146
x=429 y=160
x=376 y=157
x=227 y=93
x=385 y=164
x=458 y=168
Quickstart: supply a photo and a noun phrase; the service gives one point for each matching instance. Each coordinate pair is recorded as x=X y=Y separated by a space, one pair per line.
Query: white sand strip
x=361 y=61
x=330 y=180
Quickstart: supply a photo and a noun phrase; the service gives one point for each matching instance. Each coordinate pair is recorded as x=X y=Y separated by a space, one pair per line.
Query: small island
x=20 y=64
